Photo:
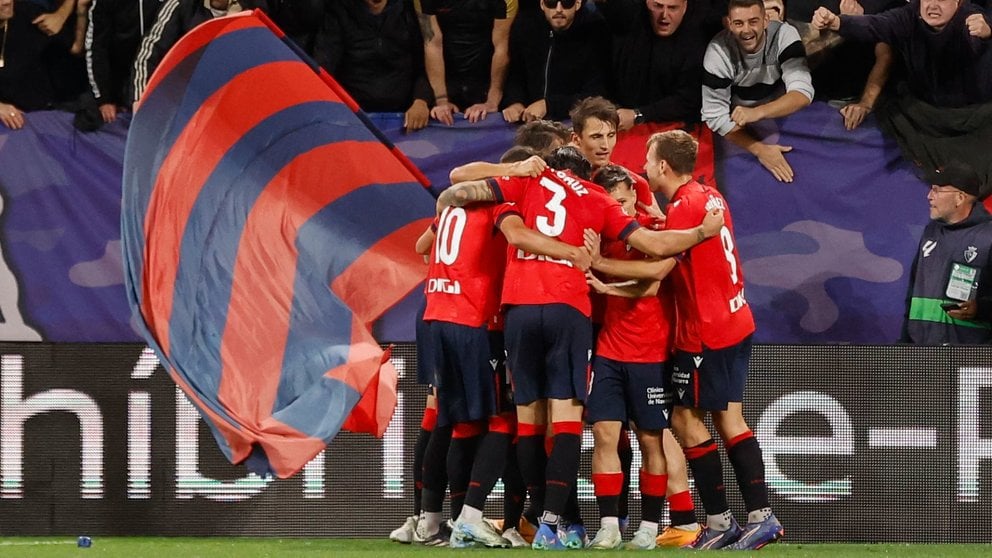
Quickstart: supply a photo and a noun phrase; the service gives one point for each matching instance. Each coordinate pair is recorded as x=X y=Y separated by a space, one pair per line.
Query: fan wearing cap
x=949 y=300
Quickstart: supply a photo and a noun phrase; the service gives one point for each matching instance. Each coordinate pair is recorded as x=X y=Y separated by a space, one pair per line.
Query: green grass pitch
x=217 y=547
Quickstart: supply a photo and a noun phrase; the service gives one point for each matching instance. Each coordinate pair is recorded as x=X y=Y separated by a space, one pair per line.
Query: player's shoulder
x=697 y=196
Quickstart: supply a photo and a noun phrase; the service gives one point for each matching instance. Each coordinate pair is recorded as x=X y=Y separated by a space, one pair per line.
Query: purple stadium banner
x=826 y=258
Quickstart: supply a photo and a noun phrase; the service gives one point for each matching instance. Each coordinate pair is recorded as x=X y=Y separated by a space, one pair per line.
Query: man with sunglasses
x=949 y=300
x=558 y=55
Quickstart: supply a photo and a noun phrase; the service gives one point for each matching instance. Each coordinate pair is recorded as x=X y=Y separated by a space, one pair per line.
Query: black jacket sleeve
x=168 y=28
x=99 y=34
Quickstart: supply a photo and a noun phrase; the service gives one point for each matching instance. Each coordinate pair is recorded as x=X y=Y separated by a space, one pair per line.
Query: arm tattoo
x=426 y=29
x=464 y=193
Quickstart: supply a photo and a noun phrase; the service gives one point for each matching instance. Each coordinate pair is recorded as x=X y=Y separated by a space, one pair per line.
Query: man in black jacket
x=26 y=82
x=374 y=49
x=557 y=56
x=658 y=48
x=176 y=18
x=950 y=299
x=112 y=39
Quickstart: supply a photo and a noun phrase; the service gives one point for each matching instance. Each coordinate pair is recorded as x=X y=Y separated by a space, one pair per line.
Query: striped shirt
x=732 y=77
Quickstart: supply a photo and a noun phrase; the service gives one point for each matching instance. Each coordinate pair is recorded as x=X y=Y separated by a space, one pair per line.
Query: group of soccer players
x=513 y=256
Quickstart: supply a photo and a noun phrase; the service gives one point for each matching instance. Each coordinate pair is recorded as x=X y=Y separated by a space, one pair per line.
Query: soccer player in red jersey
x=628 y=376
x=682 y=528
x=548 y=333
x=595 y=123
x=594 y=132
x=713 y=346
x=463 y=279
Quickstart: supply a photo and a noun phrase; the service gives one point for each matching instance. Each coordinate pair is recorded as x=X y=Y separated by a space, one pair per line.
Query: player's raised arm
x=664 y=244
x=464 y=193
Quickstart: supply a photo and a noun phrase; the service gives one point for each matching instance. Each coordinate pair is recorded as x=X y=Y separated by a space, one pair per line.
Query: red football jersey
x=562 y=206
x=709 y=282
x=466 y=265
x=636 y=329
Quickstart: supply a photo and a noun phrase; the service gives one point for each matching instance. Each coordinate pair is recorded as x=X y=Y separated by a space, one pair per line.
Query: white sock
x=687 y=527
x=609 y=521
x=470 y=515
x=649 y=526
x=757 y=516
x=433 y=522
x=720 y=521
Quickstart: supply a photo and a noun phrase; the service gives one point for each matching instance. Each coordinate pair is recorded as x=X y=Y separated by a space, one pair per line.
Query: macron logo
x=697 y=360
x=928 y=247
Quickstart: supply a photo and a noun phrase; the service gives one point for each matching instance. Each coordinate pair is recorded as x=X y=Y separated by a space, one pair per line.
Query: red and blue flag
x=266 y=224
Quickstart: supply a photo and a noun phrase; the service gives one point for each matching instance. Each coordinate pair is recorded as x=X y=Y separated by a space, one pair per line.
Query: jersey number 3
x=554 y=224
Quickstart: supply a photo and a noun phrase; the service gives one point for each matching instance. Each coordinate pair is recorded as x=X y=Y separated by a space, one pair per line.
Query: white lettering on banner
x=521 y=255
x=20 y=401
x=393 y=463
x=15 y=410
x=840 y=442
x=139 y=430
x=190 y=483
x=972 y=447
x=446 y=286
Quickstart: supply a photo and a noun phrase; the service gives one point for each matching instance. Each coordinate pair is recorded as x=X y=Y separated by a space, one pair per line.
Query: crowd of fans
x=915 y=63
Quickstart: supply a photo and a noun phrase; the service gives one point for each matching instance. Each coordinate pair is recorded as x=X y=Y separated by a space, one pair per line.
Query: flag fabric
x=265 y=225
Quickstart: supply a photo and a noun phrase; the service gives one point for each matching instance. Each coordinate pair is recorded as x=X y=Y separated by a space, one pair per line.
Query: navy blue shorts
x=548 y=348
x=711 y=379
x=629 y=391
x=497 y=361
x=425 y=375
x=466 y=385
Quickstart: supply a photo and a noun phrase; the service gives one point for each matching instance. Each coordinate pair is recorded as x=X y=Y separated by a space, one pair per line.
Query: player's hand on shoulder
x=532 y=167
x=713 y=222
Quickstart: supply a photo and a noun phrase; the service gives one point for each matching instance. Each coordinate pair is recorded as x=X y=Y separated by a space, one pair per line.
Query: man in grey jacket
x=754 y=70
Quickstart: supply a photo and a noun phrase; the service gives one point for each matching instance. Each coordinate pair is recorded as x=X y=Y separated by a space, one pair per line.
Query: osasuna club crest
x=970 y=254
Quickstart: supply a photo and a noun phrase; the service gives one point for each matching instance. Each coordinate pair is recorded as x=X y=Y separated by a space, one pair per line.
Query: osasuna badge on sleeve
x=962 y=282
